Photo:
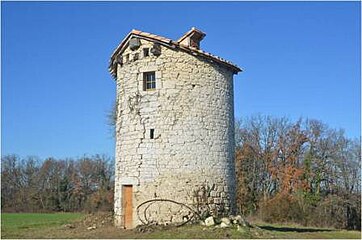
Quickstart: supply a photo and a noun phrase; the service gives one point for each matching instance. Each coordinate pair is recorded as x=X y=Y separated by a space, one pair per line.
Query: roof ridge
x=169 y=42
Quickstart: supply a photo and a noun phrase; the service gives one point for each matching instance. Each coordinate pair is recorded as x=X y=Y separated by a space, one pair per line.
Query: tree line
x=32 y=185
x=303 y=172
x=287 y=171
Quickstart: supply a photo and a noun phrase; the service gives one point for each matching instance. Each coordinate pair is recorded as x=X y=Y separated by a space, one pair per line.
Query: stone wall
x=191 y=157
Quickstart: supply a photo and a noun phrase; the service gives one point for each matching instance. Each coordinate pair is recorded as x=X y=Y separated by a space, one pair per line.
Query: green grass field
x=16 y=225
x=29 y=225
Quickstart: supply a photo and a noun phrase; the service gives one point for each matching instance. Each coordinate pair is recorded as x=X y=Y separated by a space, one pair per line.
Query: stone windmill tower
x=175 y=129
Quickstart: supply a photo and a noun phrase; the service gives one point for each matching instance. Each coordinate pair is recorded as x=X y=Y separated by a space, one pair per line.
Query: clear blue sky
x=301 y=59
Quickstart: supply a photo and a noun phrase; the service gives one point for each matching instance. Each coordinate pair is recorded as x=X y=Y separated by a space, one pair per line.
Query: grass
x=26 y=225
x=296 y=231
x=17 y=225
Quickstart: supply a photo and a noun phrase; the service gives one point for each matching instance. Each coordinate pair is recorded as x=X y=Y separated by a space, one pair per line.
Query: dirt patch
x=100 y=226
x=96 y=220
x=96 y=225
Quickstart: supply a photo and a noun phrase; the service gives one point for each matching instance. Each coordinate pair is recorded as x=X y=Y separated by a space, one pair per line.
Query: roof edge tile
x=170 y=43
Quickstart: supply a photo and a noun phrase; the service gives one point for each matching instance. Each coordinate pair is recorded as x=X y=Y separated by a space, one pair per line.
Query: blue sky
x=300 y=59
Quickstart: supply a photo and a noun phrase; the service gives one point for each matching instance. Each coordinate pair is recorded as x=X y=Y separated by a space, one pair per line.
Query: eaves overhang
x=170 y=44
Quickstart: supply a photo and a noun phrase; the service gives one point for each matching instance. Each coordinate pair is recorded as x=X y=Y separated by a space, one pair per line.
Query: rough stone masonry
x=174 y=130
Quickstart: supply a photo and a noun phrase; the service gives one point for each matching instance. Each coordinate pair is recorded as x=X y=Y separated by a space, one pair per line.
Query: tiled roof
x=169 y=43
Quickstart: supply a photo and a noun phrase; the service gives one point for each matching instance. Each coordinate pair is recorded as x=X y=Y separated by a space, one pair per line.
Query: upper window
x=149 y=81
x=146 y=52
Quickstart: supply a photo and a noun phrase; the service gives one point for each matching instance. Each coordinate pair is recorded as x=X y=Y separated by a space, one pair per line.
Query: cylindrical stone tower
x=174 y=131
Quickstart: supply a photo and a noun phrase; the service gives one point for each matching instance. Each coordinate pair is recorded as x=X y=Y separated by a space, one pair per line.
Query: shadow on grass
x=292 y=229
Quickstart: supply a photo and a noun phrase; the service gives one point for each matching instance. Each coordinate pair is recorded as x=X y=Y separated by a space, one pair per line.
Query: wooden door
x=127 y=206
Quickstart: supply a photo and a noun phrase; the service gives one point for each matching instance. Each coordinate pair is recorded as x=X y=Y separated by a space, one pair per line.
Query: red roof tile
x=168 y=42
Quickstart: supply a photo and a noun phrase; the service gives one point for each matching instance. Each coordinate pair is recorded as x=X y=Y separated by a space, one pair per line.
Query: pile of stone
x=232 y=221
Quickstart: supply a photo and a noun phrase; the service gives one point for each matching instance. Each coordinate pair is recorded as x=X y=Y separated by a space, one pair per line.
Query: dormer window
x=195 y=43
x=192 y=38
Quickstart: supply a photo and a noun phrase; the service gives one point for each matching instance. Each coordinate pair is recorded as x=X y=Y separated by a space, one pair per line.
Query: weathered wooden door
x=127 y=205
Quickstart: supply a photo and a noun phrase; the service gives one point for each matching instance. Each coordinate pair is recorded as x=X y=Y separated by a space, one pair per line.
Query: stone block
x=226 y=220
x=209 y=221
